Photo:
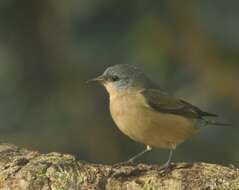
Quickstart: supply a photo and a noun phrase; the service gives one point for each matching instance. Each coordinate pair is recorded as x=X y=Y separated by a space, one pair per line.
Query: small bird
x=146 y=113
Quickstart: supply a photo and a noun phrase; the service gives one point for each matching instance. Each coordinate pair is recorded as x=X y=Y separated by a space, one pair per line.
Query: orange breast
x=141 y=123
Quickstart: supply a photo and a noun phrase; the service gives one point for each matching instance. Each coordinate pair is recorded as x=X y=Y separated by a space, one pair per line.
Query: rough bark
x=24 y=169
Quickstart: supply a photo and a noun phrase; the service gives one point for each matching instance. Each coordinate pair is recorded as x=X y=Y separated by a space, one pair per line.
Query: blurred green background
x=49 y=48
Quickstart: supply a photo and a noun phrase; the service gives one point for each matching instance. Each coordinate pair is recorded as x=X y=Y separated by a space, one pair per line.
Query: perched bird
x=146 y=113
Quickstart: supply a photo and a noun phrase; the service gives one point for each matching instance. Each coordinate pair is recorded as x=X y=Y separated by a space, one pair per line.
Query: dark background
x=49 y=48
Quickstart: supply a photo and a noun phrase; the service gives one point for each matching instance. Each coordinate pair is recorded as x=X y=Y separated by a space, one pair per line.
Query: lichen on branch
x=21 y=169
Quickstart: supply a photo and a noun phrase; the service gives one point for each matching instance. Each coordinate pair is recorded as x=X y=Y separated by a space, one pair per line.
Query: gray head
x=125 y=76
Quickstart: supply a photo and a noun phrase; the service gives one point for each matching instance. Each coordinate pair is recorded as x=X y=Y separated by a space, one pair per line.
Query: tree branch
x=23 y=169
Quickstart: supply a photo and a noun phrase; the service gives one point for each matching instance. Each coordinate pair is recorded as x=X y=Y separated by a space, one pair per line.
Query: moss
x=151 y=185
x=23 y=169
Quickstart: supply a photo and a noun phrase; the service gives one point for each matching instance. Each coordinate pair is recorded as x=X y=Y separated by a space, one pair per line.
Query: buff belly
x=141 y=123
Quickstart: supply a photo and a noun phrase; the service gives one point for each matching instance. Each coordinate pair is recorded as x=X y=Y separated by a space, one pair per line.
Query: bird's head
x=123 y=77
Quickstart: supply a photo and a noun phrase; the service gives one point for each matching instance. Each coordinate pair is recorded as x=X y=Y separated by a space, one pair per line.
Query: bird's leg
x=148 y=149
x=168 y=163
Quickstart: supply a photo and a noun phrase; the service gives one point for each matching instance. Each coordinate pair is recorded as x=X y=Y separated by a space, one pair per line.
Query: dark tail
x=215 y=123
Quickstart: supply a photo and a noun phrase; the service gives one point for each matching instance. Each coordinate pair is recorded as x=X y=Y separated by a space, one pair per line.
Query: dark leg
x=167 y=164
x=148 y=149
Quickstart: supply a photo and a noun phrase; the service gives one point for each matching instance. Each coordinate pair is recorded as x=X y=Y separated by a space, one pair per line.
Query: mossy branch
x=21 y=169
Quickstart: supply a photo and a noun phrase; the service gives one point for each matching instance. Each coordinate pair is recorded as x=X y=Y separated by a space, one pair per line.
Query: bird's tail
x=215 y=123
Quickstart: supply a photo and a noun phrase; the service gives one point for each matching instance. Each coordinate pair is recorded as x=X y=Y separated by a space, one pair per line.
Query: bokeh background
x=49 y=48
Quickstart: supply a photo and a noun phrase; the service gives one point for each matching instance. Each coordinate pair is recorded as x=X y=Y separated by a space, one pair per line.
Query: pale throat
x=115 y=92
x=112 y=90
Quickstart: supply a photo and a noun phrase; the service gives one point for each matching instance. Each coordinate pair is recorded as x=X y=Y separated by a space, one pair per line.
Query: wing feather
x=163 y=102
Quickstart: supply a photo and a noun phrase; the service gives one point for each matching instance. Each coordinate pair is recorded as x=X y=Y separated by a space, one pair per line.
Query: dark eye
x=114 y=78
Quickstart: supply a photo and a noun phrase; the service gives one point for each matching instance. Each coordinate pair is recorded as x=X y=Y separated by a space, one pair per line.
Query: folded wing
x=163 y=102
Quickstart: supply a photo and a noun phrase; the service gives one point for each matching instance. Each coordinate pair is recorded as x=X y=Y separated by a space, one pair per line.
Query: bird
x=148 y=114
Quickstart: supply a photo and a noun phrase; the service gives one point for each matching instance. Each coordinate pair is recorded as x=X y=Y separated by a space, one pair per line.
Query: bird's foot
x=129 y=162
x=167 y=167
x=185 y=165
x=125 y=169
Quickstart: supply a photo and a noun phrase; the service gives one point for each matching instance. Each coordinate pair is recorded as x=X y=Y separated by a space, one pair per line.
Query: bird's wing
x=163 y=102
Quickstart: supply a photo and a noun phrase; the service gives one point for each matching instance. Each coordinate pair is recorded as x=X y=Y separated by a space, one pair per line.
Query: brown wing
x=163 y=102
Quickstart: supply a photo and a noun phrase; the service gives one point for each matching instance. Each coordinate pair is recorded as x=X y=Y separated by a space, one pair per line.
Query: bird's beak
x=99 y=79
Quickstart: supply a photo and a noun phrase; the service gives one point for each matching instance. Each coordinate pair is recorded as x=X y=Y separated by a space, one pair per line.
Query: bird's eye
x=114 y=78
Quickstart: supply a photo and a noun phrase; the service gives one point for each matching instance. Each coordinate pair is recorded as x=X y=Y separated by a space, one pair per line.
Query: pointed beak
x=99 y=79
